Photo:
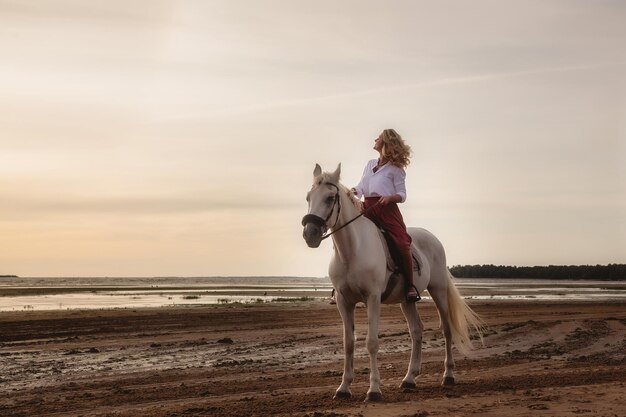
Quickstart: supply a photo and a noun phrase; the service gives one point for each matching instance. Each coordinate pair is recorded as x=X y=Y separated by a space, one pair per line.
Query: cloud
x=236 y=111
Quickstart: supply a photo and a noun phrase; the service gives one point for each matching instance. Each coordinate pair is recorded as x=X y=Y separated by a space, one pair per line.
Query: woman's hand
x=389 y=199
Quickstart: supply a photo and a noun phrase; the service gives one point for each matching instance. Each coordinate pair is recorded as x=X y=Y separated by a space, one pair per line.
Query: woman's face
x=378 y=144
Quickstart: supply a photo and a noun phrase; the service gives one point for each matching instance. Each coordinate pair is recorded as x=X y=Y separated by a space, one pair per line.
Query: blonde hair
x=394 y=149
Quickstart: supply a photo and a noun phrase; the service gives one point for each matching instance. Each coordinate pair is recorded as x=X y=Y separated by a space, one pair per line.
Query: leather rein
x=317 y=220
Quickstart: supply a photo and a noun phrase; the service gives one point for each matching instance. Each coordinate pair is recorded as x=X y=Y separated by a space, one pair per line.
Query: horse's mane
x=326 y=178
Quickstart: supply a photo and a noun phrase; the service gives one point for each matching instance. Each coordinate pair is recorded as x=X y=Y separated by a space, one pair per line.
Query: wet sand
x=539 y=359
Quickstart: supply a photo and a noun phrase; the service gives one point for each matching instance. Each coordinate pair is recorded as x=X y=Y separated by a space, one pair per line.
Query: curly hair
x=394 y=149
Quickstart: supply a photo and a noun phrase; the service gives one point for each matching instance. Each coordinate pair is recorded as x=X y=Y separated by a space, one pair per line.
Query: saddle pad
x=393 y=257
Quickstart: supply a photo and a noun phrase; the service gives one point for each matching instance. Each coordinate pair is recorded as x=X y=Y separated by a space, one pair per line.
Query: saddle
x=393 y=255
x=394 y=261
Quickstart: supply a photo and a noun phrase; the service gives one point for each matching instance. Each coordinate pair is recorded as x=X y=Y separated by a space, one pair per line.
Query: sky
x=161 y=138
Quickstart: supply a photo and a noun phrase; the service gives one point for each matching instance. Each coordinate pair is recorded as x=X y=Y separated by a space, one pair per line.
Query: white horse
x=358 y=271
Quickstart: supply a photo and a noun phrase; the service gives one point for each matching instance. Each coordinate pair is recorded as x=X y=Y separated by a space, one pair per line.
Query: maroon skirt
x=389 y=218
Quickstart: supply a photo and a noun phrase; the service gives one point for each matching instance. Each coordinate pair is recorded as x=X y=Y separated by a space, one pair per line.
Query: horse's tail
x=462 y=319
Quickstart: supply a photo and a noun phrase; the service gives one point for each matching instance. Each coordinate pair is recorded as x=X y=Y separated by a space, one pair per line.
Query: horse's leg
x=373 y=316
x=347 y=316
x=440 y=297
x=416 y=328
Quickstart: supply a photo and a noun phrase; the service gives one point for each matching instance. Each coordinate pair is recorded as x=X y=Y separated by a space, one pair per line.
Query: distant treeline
x=610 y=272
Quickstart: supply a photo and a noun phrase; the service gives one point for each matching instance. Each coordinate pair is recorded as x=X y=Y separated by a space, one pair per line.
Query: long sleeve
x=399 y=183
x=359 y=188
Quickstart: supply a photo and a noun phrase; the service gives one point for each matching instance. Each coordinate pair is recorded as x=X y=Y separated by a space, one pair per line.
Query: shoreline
x=83 y=294
x=310 y=302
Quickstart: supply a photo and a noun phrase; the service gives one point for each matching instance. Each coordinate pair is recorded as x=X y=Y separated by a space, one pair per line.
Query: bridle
x=318 y=221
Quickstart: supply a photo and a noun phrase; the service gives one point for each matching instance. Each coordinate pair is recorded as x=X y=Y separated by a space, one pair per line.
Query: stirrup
x=413 y=298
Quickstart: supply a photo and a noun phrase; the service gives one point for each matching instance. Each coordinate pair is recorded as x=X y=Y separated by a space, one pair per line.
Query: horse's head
x=323 y=202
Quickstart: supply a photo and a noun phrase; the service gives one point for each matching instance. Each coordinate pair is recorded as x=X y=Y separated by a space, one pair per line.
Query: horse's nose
x=311 y=231
x=312 y=234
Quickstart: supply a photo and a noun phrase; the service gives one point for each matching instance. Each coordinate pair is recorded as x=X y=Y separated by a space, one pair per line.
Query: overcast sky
x=153 y=138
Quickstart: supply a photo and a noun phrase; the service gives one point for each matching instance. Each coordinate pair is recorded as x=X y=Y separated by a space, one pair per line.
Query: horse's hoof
x=374 y=397
x=408 y=386
x=342 y=395
x=447 y=381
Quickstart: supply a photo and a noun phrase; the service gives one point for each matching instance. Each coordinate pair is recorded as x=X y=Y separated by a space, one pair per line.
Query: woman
x=383 y=186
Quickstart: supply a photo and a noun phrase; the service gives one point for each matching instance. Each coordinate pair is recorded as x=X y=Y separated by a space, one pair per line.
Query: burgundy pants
x=389 y=218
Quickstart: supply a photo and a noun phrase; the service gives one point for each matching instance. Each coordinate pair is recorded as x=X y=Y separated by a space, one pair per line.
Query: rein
x=321 y=222
x=343 y=225
x=349 y=221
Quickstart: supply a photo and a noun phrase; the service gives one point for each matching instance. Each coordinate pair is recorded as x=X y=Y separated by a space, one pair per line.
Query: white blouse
x=388 y=180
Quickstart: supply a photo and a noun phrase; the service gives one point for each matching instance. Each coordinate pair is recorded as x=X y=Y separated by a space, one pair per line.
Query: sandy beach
x=539 y=358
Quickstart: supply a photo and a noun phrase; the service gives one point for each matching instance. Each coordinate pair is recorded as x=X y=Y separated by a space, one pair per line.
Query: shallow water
x=25 y=294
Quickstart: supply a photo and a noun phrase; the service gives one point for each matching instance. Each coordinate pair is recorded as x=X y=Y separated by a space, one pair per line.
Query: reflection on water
x=115 y=300
x=20 y=294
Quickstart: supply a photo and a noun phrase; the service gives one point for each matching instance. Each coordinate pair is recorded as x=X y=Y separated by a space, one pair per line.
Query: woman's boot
x=407 y=268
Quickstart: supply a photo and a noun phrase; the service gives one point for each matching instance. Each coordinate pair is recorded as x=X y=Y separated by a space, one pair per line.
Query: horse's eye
x=329 y=200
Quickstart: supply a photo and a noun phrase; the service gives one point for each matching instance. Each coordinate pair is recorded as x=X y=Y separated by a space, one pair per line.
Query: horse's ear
x=317 y=171
x=335 y=175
